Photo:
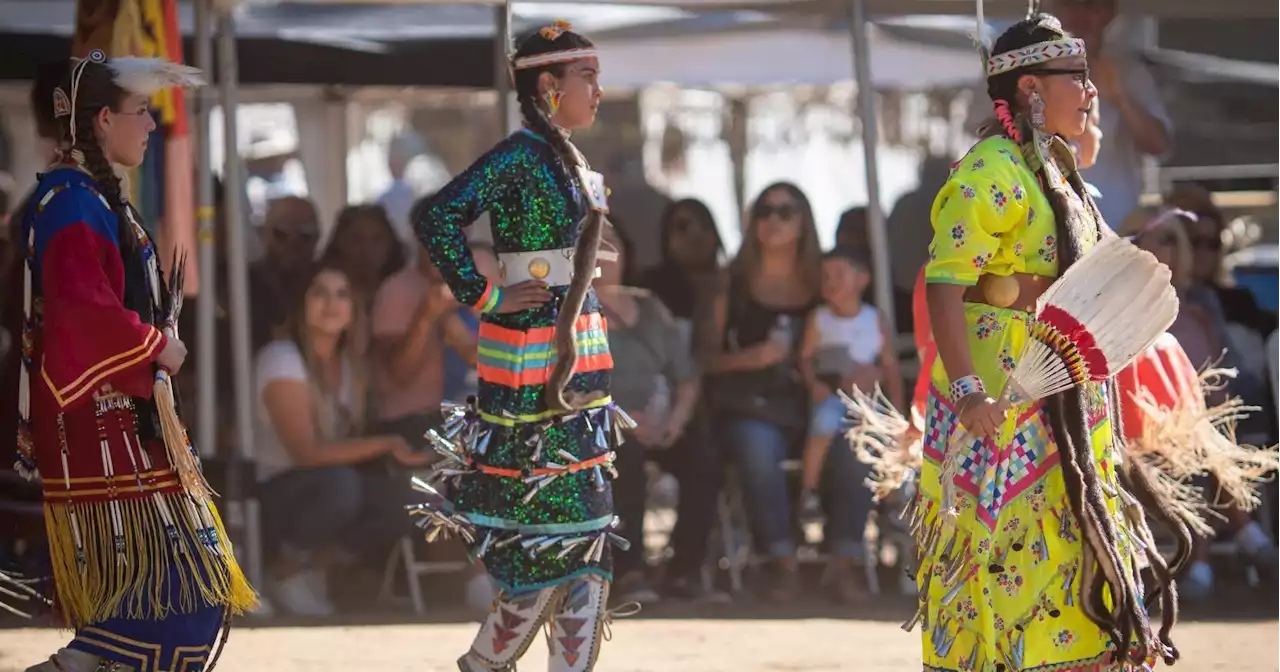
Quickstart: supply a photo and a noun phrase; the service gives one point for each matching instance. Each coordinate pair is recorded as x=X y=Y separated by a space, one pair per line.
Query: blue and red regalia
x=142 y=568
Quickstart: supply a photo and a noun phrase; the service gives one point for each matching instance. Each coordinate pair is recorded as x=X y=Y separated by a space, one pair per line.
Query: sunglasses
x=1080 y=75
x=783 y=211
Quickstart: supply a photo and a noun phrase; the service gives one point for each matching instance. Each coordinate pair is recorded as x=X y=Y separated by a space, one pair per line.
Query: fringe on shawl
x=113 y=558
x=1191 y=439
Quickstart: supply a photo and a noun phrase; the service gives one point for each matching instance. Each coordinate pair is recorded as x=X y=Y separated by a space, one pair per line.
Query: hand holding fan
x=181 y=453
x=1091 y=323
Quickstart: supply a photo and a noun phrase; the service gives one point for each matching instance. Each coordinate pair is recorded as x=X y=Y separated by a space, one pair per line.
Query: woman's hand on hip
x=523 y=296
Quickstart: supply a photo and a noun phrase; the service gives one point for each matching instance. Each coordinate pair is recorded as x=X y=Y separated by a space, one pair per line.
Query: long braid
x=88 y=152
x=1126 y=606
x=589 y=235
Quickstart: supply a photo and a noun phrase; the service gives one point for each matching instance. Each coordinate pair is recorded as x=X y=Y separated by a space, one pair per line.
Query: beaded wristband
x=964 y=386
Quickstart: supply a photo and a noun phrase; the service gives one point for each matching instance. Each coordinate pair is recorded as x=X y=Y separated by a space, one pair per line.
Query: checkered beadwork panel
x=989 y=473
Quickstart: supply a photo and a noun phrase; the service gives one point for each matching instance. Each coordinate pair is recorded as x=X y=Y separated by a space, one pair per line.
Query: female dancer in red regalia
x=141 y=564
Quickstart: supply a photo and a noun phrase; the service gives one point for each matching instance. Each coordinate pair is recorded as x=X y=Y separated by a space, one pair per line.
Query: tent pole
x=502 y=42
x=867 y=116
x=237 y=280
x=206 y=255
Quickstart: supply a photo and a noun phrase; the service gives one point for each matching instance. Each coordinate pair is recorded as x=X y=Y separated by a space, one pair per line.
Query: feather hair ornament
x=1091 y=323
x=148 y=76
x=982 y=38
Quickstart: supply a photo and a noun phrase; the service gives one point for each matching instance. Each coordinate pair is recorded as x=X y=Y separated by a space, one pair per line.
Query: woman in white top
x=311 y=388
x=846 y=344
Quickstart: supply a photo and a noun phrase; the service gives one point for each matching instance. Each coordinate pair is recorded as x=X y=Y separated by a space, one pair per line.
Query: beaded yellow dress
x=999 y=584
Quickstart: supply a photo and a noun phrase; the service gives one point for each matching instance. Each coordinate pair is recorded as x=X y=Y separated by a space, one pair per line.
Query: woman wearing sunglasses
x=1011 y=580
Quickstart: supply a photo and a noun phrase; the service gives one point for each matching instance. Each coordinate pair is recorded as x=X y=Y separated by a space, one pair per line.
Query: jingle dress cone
x=999 y=583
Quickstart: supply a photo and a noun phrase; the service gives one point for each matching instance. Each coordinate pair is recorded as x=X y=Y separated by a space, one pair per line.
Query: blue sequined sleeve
x=443 y=218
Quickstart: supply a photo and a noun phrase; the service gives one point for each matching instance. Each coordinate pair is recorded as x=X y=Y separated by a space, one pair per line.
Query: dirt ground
x=648 y=645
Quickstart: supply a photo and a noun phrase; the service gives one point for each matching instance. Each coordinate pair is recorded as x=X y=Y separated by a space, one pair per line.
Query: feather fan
x=1091 y=323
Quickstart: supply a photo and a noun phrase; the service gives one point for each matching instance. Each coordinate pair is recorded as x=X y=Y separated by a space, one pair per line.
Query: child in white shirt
x=846 y=344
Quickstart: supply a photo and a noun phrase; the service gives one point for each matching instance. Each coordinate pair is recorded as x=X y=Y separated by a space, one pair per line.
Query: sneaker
x=1256 y=545
x=297 y=595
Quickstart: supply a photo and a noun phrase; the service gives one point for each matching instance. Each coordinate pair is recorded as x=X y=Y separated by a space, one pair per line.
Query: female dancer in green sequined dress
x=528 y=459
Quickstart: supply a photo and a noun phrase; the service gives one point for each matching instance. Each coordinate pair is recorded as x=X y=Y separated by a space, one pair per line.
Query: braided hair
x=1106 y=576
x=537 y=119
x=94 y=89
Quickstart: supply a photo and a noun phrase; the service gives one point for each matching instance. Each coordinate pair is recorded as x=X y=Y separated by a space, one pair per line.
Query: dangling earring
x=1037 y=111
x=552 y=98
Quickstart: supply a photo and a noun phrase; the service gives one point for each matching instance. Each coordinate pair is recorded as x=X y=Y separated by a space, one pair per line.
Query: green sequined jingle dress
x=528 y=486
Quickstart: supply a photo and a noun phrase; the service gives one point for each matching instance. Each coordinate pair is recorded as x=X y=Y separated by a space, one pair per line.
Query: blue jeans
x=358 y=508
x=759 y=449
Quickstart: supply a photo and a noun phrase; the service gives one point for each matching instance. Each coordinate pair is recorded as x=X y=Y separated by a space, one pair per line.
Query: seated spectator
x=1233 y=311
x=1197 y=341
x=364 y=245
x=846 y=344
x=290 y=232
x=655 y=380
x=460 y=378
x=415 y=317
x=760 y=399
x=318 y=491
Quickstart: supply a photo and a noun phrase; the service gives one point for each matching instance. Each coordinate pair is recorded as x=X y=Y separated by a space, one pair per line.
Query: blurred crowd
x=729 y=363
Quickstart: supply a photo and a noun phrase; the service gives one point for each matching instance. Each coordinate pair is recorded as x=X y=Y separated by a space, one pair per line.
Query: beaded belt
x=554 y=267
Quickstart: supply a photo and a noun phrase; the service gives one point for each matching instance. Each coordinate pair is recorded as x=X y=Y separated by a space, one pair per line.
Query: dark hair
x=1127 y=623
x=808 y=251
x=95 y=90
x=855 y=257
x=48 y=77
x=701 y=213
x=350 y=217
x=353 y=345
x=588 y=244
x=854 y=218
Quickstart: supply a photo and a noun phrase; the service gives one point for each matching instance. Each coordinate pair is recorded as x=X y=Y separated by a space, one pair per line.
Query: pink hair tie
x=1006 y=120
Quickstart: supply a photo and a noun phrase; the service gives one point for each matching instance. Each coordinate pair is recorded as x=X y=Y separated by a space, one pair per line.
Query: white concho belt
x=554 y=267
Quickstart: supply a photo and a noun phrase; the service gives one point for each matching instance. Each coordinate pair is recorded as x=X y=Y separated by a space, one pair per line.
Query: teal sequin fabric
x=546 y=516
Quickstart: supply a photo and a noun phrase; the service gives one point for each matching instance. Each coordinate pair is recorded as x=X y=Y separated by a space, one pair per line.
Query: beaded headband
x=552 y=33
x=1034 y=55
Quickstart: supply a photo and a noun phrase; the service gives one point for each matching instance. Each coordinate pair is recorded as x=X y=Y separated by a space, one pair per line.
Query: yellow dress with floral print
x=998 y=585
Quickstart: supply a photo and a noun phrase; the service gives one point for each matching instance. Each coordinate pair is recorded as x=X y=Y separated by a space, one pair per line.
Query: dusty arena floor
x=648 y=645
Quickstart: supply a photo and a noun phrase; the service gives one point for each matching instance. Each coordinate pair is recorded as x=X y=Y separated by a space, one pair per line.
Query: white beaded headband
x=1034 y=55
x=552 y=58
x=552 y=33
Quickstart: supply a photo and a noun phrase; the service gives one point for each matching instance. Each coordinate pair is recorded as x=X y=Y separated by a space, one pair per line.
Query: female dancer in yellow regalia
x=1038 y=570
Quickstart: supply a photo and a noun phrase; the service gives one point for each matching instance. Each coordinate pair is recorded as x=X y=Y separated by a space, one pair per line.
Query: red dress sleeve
x=925 y=346
x=1165 y=373
x=88 y=336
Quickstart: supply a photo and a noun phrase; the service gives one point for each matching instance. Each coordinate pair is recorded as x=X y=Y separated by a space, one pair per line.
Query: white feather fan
x=1091 y=323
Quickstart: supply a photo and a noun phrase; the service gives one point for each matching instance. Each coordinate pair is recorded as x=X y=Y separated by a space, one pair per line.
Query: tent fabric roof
x=993 y=8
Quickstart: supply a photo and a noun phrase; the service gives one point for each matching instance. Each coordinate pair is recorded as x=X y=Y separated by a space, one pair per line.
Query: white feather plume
x=982 y=38
x=1122 y=293
x=148 y=76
